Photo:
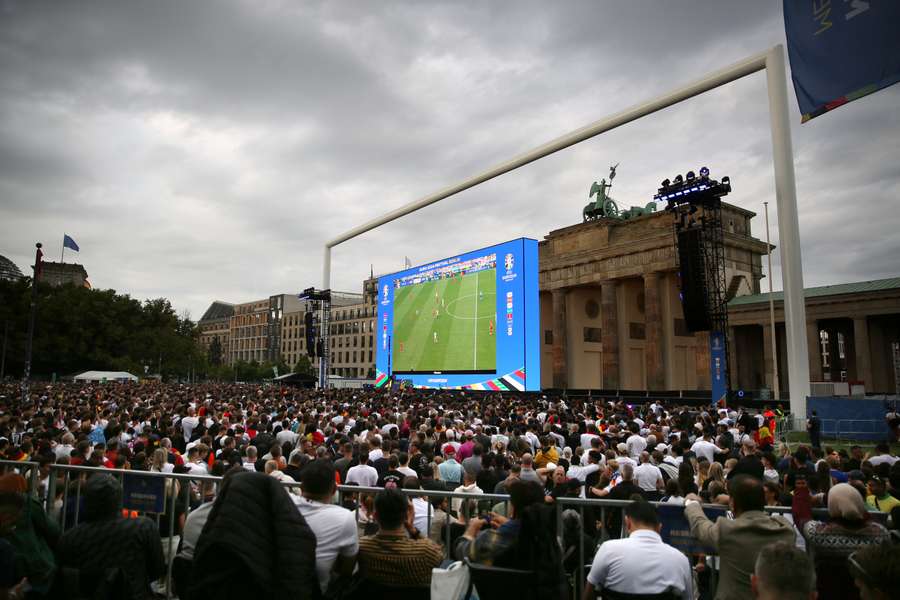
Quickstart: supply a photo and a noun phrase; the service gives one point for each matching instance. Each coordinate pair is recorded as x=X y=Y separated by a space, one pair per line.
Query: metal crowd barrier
x=73 y=477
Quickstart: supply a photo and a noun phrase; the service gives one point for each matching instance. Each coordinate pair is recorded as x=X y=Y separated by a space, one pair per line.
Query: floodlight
x=679 y=179
x=691 y=176
x=704 y=172
x=666 y=183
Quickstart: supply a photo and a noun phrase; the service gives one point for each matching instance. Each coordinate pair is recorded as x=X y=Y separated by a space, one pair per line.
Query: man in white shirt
x=64 y=450
x=621 y=565
x=704 y=448
x=376 y=452
x=635 y=443
x=189 y=423
x=649 y=478
x=585 y=438
x=286 y=436
x=882 y=455
x=337 y=541
x=363 y=474
x=468 y=487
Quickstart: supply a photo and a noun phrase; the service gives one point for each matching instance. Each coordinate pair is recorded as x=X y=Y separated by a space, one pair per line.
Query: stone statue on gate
x=604 y=206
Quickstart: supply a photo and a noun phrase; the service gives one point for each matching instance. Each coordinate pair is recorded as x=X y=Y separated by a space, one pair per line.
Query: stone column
x=734 y=380
x=656 y=376
x=815 y=350
x=560 y=341
x=609 y=316
x=862 y=350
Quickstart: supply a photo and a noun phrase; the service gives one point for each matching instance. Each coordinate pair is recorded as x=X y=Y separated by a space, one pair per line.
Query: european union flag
x=69 y=243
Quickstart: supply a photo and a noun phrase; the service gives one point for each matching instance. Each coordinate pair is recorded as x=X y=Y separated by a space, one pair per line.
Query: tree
x=304 y=366
x=78 y=329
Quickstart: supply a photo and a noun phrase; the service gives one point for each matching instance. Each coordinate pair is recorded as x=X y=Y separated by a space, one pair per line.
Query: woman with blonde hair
x=715 y=472
x=159 y=462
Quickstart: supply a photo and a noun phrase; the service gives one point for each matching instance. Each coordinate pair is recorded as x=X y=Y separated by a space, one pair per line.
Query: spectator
x=469 y=486
x=738 y=541
x=334 y=527
x=814 y=428
x=621 y=565
x=526 y=539
x=474 y=462
x=783 y=572
x=104 y=540
x=12 y=583
x=648 y=477
x=31 y=534
x=397 y=555
x=450 y=470
x=879 y=498
x=830 y=543
x=876 y=571
x=362 y=474
x=255 y=544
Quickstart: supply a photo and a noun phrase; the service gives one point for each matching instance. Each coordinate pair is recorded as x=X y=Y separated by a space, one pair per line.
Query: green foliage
x=304 y=366
x=78 y=329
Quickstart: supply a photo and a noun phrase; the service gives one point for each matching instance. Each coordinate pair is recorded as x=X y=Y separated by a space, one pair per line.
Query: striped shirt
x=398 y=560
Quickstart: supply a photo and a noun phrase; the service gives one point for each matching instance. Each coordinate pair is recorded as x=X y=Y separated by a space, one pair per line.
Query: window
x=823 y=342
x=637 y=331
x=354 y=356
x=592 y=335
x=548 y=337
x=370 y=356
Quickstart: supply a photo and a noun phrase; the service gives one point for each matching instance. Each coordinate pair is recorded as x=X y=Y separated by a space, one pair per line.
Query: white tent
x=105 y=376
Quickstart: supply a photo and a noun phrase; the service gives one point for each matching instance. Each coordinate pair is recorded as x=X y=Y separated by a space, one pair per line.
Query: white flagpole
x=63 y=253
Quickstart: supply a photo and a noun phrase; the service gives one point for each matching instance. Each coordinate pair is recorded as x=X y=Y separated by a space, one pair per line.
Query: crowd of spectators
x=257 y=532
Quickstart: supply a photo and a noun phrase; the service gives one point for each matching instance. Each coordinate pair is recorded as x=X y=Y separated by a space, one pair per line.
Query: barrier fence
x=156 y=496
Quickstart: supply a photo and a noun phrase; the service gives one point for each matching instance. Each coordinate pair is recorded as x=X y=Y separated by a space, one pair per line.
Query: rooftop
x=860 y=287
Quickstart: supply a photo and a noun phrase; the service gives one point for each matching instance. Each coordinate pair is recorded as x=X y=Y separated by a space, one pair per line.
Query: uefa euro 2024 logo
x=508 y=262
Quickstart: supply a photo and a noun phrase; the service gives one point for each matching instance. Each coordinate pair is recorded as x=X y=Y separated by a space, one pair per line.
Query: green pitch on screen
x=447 y=324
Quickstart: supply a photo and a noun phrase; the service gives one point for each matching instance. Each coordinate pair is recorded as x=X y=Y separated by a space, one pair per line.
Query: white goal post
x=772 y=61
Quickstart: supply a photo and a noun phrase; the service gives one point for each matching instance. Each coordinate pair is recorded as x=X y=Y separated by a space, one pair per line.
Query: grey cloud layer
x=204 y=150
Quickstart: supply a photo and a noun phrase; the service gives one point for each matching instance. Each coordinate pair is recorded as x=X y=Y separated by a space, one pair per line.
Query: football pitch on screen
x=446 y=325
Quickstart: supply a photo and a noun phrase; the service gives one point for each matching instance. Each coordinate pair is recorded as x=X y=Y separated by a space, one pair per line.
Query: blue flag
x=841 y=51
x=69 y=243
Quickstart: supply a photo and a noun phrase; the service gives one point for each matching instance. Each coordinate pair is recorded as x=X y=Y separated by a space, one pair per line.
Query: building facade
x=215 y=326
x=853 y=334
x=58 y=273
x=611 y=316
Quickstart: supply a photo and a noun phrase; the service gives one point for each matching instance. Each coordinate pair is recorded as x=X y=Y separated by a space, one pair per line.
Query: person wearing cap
x=450 y=470
x=830 y=542
x=879 y=499
x=105 y=540
x=466 y=447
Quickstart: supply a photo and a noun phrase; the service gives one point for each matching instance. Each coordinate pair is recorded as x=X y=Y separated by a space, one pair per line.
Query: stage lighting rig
x=695 y=204
x=320 y=300
x=702 y=190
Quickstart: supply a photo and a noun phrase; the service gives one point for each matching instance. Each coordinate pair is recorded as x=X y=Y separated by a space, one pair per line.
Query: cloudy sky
x=206 y=150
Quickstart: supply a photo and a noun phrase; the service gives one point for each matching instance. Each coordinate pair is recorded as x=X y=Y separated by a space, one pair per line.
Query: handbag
x=451 y=583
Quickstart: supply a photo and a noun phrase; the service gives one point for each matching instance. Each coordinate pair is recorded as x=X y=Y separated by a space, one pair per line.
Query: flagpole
x=32 y=310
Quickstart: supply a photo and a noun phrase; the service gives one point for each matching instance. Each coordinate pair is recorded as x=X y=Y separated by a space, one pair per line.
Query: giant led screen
x=466 y=322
